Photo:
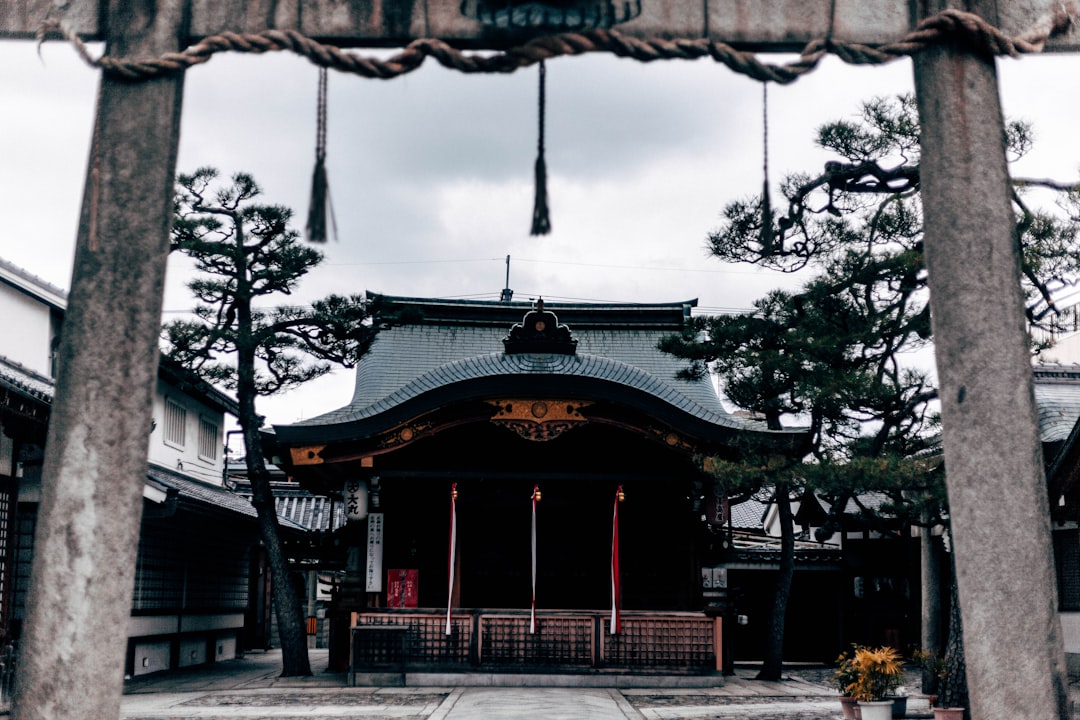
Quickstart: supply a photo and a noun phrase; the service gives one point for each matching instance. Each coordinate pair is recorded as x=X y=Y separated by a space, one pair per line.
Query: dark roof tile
x=25 y=380
x=209 y=496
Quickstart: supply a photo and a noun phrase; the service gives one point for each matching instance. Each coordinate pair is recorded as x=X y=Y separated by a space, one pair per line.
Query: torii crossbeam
x=96 y=452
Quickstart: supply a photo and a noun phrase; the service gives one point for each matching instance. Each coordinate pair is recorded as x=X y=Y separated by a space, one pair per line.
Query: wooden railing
x=568 y=641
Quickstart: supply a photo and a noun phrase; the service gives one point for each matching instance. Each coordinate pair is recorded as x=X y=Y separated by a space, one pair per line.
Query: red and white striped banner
x=616 y=578
x=532 y=610
x=453 y=555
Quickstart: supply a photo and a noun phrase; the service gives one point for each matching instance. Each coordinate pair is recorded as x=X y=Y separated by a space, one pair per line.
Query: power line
x=640 y=267
x=718 y=271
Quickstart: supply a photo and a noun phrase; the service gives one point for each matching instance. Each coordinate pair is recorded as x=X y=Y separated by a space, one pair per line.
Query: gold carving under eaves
x=673 y=440
x=538 y=420
x=405 y=434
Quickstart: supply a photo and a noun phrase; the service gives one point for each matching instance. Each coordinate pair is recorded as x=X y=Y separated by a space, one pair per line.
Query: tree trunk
x=773 y=666
x=286 y=599
x=954 y=691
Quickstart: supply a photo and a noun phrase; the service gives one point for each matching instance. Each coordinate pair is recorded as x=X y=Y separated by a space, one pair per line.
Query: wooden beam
x=767 y=25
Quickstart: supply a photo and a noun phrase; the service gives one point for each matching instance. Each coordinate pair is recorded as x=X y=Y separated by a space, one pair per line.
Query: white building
x=200 y=589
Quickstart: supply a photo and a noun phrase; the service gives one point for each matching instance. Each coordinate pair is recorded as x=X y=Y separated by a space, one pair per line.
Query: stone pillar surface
x=73 y=650
x=996 y=485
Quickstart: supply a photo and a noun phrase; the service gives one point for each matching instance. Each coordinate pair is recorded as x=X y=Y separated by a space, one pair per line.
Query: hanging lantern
x=356 y=499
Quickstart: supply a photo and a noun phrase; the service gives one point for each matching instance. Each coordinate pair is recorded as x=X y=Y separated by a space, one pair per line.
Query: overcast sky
x=431 y=174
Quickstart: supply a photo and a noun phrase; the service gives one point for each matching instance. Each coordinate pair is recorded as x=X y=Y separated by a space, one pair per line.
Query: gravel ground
x=308 y=699
x=823 y=676
x=711 y=707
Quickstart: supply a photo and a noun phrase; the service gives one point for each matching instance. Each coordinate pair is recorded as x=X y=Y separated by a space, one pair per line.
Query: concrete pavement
x=249 y=689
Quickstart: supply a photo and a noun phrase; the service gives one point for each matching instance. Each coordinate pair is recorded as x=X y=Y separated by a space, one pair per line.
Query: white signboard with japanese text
x=375 y=552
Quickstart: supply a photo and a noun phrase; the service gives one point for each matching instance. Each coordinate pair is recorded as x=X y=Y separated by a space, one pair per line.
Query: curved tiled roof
x=590 y=367
x=404 y=353
x=432 y=354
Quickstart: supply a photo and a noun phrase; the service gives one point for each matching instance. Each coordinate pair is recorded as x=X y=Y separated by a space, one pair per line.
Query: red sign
x=401 y=588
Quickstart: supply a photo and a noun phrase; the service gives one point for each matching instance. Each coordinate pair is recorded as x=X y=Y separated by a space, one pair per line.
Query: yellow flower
x=877 y=672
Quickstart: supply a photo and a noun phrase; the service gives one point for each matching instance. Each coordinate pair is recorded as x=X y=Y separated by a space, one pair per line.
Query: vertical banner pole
x=452 y=555
x=532 y=608
x=616 y=578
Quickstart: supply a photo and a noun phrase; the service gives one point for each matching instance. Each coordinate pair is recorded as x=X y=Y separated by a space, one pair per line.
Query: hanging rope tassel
x=541 y=223
x=767 y=237
x=320 y=190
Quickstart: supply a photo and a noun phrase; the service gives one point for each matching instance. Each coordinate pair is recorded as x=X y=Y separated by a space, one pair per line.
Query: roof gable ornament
x=540 y=332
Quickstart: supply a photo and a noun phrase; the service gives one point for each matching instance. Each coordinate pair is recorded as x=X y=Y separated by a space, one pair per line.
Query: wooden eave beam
x=321 y=455
x=765 y=25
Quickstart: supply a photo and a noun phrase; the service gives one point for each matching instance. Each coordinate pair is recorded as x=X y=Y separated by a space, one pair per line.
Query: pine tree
x=836 y=354
x=245 y=251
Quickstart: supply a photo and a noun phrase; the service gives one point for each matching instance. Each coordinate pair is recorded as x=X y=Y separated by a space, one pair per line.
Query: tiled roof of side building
x=1057 y=398
x=314 y=512
x=27 y=282
x=25 y=380
x=210 y=497
x=749 y=514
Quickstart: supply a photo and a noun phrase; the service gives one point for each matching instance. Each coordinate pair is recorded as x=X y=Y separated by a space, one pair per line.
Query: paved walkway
x=249 y=688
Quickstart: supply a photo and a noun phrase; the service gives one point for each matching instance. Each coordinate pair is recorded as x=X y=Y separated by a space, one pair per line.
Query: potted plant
x=950 y=713
x=933 y=667
x=936 y=665
x=878 y=672
x=842 y=678
x=899 y=703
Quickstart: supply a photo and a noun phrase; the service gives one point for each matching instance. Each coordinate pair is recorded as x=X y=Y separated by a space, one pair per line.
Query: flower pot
x=849 y=706
x=899 y=706
x=948 y=713
x=876 y=710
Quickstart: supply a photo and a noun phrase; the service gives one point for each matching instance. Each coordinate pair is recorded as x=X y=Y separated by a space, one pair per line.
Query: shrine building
x=524 y=488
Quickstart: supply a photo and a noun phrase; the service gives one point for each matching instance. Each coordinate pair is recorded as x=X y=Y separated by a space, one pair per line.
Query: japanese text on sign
x=374 y=552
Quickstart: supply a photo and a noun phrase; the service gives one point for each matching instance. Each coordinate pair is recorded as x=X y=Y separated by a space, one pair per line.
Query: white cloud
x=431 y=174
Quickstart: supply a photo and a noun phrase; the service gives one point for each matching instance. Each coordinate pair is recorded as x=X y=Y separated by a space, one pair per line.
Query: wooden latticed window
x=8 y=492
x=175 y=432
x=190 y=566
x=26 y=524
x=1067 y=562
x=208 y=439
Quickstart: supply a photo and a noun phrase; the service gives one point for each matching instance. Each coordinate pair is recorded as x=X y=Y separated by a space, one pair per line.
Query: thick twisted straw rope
x=955 y=26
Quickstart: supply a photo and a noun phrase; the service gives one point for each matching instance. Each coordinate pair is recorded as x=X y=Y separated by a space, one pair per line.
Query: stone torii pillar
x=72 y=651
x=994 y=467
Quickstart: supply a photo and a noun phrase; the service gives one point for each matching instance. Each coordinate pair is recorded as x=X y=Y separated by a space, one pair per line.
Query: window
x=1067 y=564
x=175 y=424
x=208 y=439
